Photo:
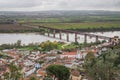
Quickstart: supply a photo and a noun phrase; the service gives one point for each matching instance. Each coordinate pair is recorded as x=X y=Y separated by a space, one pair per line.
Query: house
x=45 y=66
x=68 y=59
x=68 y=64
x=29 y=71
x=69 y=55
x=58 y=63
x=42 y=56
x=13 y=54
x=75 y=75
x=33 y=57
x=81 y=54
x=37 y=66
x=115 y=40
x=2 y=62
x=51 y=57
x=41 y=73
x=28 y=63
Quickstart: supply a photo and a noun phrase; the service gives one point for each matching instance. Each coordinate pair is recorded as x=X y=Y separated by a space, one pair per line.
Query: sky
x=43 y=5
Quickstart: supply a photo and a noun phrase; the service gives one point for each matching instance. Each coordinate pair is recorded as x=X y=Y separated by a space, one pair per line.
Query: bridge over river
x=55 y=31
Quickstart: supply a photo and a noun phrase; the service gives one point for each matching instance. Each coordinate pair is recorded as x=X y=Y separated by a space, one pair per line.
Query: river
x=26 y=38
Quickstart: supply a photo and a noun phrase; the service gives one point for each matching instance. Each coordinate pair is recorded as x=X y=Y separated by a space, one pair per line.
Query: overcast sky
x=40 y=5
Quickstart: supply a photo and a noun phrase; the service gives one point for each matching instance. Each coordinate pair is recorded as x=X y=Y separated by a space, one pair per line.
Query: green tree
x=18 y=43
x=90 y=56
x=47 y=46
x=33 y=78
x=58 y=71
x=41 y=61
x=7 y=76
x=104 y=67
x=47 y=78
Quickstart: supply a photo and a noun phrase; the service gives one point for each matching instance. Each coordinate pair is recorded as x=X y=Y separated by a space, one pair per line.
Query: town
x=59 y=39
x=33 y=64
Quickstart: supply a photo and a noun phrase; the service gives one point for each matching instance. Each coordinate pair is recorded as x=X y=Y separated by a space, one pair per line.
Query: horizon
x=58 y=10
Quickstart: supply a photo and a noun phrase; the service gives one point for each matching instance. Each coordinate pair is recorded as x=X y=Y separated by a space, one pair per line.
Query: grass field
x=73 y=19
x=77 y=22
x=84 y=25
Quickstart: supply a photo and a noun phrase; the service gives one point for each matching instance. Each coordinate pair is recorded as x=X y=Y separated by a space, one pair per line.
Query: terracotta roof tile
x=70 y=53
x=41 y=72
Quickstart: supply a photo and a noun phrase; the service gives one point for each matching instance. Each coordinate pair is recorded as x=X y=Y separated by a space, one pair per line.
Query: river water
x=26 y=38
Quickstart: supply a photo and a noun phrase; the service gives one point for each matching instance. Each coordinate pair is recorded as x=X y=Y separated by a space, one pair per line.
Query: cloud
x=19 y=3
x=91 y=4
x=59 y=5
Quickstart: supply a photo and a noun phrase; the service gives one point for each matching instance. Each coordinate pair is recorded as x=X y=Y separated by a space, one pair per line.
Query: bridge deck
x=69 y=31
x=76 y=32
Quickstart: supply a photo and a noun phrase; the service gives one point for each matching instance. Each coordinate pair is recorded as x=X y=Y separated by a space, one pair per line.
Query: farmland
x=70 y=20
x=76 y=26
x=14 y=28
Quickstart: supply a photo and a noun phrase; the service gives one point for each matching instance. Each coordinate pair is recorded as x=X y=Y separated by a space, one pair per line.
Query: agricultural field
x=78 y=20
x=14 y=28
x=86 y=25
x=70 y=20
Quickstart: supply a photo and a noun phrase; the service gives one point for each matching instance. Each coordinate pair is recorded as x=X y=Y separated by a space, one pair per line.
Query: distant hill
x=59 y=13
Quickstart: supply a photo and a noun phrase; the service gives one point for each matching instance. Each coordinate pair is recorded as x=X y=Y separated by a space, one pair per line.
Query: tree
x=18 y=43
x=6 y=76
x=90 y=56
x=58 y=71
x=47 y=78
x=41 y=61
x=47 y=46
x=104 y=67
x=33 y=78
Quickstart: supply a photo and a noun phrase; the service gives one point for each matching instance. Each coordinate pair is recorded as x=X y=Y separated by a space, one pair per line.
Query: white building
x=81 y=54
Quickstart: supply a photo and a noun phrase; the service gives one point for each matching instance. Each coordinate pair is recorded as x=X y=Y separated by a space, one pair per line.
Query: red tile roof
x=41 y=72
x=2 y=62
x=70 y=53
x=44 y=67
x=58 y=63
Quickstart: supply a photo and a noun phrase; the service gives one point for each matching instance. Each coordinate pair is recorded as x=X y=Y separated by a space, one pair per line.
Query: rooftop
x=70 y=53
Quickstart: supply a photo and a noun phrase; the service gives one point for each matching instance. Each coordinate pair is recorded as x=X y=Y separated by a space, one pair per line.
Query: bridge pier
x=110 y=39
x=54 y=32
x=97 y=39
x=67 y=37
x=75 y=37
x=60 y=35
x=48 y=32
x=85 y=38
